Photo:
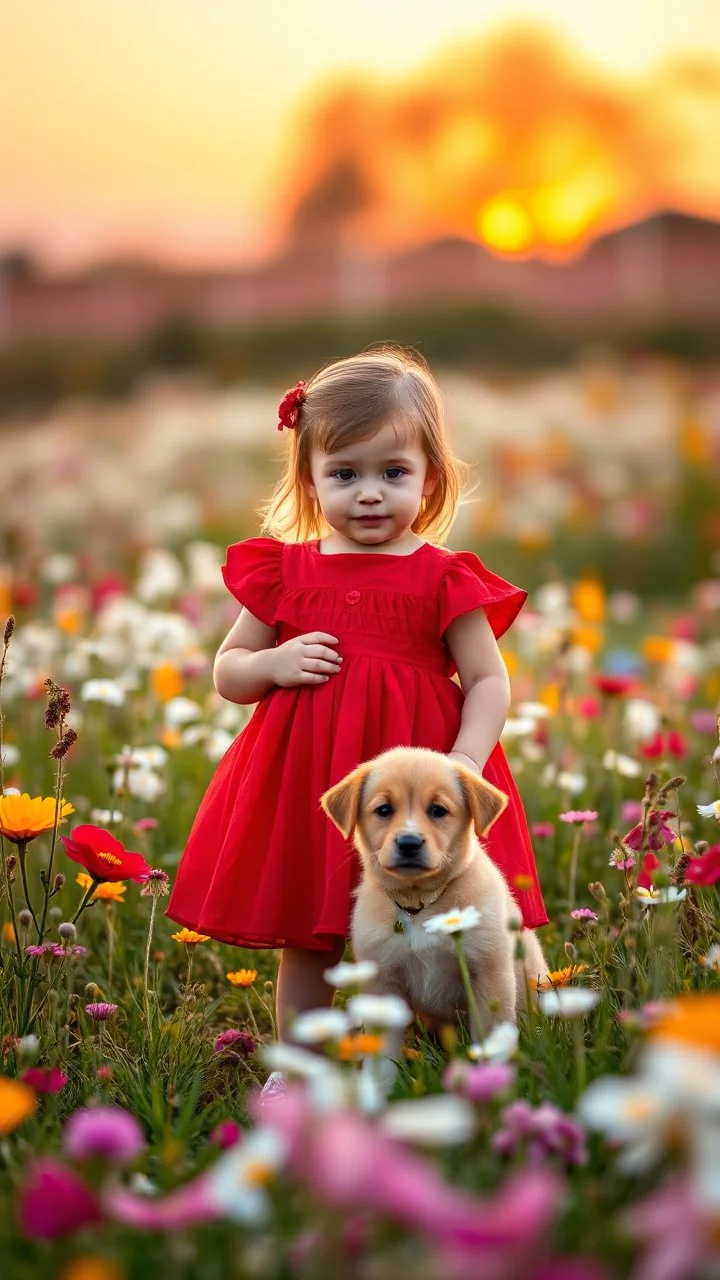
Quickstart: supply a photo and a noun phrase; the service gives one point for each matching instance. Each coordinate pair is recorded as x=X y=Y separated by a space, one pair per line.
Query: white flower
x=624 y=765
x=59 y=568
x=217 y=743
x=710 y=810
x=351 y=975
x=108 y=691
x=10 y=754
x=499 y=1046
x=379 y=1011
x=106 y=817
x=318 y=1025
x=161 y=574
x=440 y=1121
x=572 y=783
x=651 y=897
x=567 y=1002
x=455 y=921
x=152 y=757
x=518 y=727
x=629 y=1112
x=145 y=784
x=289 y=1059
x=236 y=1183
x=641 y=718
x=712 y=959
x=193 y=734
x=537 y=710
x=179 y=711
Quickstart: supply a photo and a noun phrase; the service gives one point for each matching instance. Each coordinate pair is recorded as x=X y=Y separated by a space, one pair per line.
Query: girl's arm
x=249 y=664
x=484 y=681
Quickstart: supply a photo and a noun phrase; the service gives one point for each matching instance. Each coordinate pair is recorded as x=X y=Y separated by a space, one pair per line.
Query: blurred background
x=205 y=201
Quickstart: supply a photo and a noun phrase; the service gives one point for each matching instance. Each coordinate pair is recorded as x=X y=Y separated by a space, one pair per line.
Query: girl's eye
x=394 y=473
x=438 y=811
x=384 y=811
x=343 y=474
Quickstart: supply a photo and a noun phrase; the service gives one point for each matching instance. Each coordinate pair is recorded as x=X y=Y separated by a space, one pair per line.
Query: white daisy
x=499 y=1046
x=710 y=810
x=455 y=921
x=351 y=975
x=567 y=1002
x=440 y=1121
x=379 y=1011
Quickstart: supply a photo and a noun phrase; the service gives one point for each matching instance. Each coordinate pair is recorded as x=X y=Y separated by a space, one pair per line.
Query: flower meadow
x=583 y=1143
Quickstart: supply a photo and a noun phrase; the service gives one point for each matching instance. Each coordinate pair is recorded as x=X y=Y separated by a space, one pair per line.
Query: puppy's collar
x=411 y=911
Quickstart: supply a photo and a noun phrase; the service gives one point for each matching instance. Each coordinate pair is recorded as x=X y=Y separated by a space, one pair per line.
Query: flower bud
x=570 y=951
x=55 y=913
x=10 y=863
x=92 y=990
x=58 y=881
x=67 y=931
x=598 y=891
x=24 y=918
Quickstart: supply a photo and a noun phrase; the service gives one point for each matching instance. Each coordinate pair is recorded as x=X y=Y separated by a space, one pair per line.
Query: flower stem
x=580 y=1063
x=22 y=854
x=573 y=868
x=476 y=1025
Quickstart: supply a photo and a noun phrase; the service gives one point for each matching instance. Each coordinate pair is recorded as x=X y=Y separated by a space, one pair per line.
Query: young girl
x=353 y=620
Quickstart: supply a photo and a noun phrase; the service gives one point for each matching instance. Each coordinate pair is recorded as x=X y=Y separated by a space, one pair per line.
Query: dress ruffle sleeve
x=468 y=585
x=253 y=574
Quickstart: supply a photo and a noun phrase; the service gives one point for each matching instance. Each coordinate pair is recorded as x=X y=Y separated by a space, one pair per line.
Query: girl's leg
x=301 y=986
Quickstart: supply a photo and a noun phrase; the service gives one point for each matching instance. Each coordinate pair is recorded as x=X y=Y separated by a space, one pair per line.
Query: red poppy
x=289 y=407
x=650 y=864
x=614 y=686
x=705 y=869
x=102 y=856
x=45 y=1079
x=665 y=743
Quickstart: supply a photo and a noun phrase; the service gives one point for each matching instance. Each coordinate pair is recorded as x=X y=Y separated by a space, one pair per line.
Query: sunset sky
x=171 y=126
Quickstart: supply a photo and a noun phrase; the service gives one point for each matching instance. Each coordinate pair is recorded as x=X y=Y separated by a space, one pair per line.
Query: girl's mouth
x=371 y=520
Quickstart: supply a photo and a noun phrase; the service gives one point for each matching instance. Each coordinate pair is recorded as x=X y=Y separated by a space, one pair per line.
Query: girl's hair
x=347 y=401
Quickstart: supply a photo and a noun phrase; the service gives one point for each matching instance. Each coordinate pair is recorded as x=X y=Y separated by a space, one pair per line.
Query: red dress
x=264 y=866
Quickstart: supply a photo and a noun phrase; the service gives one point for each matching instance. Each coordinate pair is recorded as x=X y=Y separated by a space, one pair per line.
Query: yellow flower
x=242 y=977
x=657 y=648
x=693 y=1020
x=588 y=599
x=588 y=637
x=17 y=1103
x=8 y=933
x=360 y=1045
x=558 y=977
x=108 y=891
x=190 y=937
x=551 y=697
x=511 y=661
x=23 y=818
x=91 y=1266
x=166 y=682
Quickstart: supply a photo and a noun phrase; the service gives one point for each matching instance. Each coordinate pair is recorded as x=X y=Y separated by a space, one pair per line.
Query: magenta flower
x=703 y=720
x=44 y=1079
x=542 y=830
x=630 y=811
x=578 y=815
x=541 y=1131
x=241 y=1042
x=101 y=1011
x=38 y=949
x=226 y=1134
x=657 y=832
x=622 y=859
x=103 y=1133
x=146 y=824
x=583 y=913
x=480 y=1082
x=54 y=1201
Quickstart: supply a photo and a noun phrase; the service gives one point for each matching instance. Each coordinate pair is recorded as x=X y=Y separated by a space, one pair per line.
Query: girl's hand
x=305 y=660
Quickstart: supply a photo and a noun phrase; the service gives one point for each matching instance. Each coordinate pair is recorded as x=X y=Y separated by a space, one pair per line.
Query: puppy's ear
x=485 y=801
x=341 y=802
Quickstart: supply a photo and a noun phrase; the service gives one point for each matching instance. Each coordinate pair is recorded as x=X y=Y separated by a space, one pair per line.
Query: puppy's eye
x=384 y=810
x=438 y=811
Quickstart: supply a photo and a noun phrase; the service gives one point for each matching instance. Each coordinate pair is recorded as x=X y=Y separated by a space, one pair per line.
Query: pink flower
x=542 y=830
x=680 y=1237
x=36 y=949
x=583 y=913
x=657 y=832
x=706 y=869
x=703 y=720
x=541 y=1131
x=481 y=1082
x=622 y=859
x=226 y=1134
x=44 y=1079
x=104 y=1072
x=103 y=1133
x=578 y=815
x=146 y=824
x=101 y=1011
x=54 y=1201
x=665 y=743
x=241 y=1042
x=631 y=811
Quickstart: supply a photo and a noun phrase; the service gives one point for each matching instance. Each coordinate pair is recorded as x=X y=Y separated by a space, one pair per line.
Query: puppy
x=414 y=814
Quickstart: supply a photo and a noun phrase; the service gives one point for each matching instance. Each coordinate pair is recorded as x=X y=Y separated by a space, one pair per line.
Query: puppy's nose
x=409 y=845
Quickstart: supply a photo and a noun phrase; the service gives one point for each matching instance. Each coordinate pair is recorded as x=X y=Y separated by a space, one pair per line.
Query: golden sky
x=168 y=125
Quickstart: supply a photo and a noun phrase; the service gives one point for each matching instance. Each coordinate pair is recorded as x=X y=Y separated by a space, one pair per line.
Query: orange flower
x=166 y=682
x=242 y=977
x=588 y=600
x=17 y=1103
x=108 y=891
x=558 y=978
x=693 y=1020
x=588 y=637
x=8 y=933
x=190 y=937
x=22 y=818
x=91 y=1266
x=360 y=1045
x=657 y=648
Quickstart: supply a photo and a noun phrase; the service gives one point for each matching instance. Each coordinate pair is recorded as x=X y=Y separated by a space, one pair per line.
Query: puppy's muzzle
x=409 y=853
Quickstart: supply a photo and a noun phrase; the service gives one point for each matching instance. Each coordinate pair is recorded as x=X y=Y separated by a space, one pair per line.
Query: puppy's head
x=412 y=813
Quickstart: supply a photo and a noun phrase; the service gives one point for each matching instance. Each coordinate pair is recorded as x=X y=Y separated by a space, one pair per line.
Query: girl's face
x=370 y=492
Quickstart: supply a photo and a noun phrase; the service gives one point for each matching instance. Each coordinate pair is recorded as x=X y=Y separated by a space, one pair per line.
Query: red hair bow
x=289 y=408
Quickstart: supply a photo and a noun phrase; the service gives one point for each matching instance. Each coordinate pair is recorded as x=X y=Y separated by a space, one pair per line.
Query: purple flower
x=101 y=1011
x=54 y=1201
x=583 y=913
x=543 y=1131
x=74 y=950
x=631 y=811
x=483 y=1081
x=38 y=950
x=657 y=832
x=241 y=1042
x=703 y=720
x=104 y=1133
